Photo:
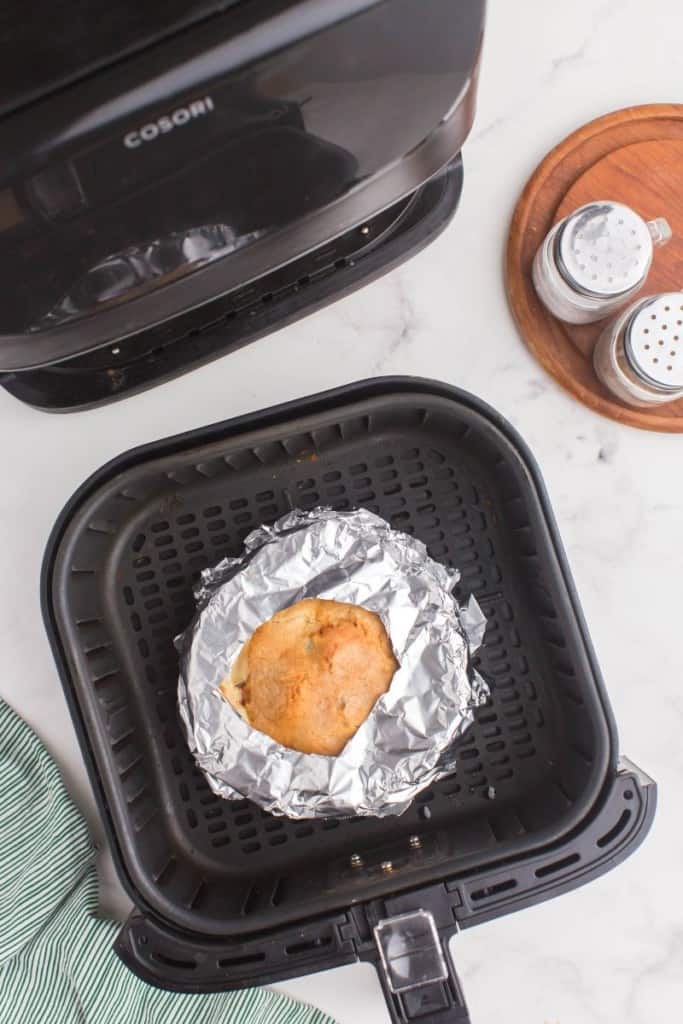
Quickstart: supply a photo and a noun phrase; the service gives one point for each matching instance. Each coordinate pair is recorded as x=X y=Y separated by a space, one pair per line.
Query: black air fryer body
x=171 y=187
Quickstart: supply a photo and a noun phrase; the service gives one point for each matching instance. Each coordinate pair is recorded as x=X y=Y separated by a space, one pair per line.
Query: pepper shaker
x=595 y=260
x=639 y=357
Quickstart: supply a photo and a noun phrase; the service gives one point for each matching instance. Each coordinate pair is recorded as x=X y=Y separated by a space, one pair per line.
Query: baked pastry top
x=311 y=675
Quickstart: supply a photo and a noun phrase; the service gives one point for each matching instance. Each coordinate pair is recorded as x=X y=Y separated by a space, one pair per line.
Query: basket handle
x=417 y=972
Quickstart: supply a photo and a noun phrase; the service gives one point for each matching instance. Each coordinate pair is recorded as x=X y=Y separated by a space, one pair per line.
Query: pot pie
x=311 y=675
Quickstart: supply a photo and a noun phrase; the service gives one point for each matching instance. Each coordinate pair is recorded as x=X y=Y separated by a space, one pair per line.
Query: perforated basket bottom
x=122 y=589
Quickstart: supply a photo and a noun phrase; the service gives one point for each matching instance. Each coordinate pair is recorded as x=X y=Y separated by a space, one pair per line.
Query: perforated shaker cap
x=604 y=249
x=653 y=341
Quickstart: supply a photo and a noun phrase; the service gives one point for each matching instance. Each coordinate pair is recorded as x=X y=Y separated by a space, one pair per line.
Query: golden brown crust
x=310 y=676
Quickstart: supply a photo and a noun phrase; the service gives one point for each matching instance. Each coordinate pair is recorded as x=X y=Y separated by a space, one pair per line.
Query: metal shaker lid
x=653 y=341
x=604 y=249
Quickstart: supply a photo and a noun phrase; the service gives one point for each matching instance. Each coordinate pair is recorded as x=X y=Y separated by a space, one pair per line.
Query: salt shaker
x=639 y=357
x=595 y=260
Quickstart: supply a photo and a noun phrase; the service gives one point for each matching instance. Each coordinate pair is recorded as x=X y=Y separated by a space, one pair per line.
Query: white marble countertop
x=613 y=951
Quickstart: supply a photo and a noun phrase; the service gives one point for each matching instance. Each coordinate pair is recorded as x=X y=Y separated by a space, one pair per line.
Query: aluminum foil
x=402 y=747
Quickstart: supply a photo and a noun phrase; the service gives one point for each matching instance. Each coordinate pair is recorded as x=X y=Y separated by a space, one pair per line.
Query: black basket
x=228 y=896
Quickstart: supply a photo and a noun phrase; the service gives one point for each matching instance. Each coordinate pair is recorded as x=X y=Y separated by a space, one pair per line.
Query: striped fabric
x=56 y=958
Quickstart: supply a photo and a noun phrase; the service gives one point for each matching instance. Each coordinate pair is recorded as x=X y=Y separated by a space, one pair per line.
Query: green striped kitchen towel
x=56 y=958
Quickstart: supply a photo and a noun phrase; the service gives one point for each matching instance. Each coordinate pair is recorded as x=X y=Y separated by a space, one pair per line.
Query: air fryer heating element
x=226 y=895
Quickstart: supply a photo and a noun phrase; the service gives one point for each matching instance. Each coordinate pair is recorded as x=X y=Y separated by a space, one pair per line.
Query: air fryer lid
x=218 y=155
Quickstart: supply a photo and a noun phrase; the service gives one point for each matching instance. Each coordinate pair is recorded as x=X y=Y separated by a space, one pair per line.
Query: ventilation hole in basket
x=216 y=826
x=141 y=563
x=297 y=948
x=557 y=865
x=220 y=841
x=244 y=819
x=186 y=519
x=493 y=890
x=247 y=833
x=136 y=622
x=468 y=754
x=236 y=504
x=159 y=527
x=303 y=831
x=495 y=746
x=615 y=831
x=426 y=797
x=514 y=713
x=215 y=525
x=252 y=899
x=277 y=840
x=189 y=533
x=452 y=789
x=220 y=539
x=168 y=553
x=242 y=961
x=273 y=826
x=171 y=961
x=128 y=596
x=191 y=818
x=519 y=740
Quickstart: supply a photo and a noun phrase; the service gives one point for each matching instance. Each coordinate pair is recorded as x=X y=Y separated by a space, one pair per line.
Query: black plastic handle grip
x=441 y=1002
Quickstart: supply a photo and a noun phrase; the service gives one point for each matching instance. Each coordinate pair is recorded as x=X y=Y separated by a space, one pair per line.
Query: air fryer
x=170 y=191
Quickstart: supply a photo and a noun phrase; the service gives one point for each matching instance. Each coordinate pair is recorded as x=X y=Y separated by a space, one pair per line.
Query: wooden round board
x=634 y=156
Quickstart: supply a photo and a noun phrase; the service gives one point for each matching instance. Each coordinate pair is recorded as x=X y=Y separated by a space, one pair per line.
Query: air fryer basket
x=227 y=895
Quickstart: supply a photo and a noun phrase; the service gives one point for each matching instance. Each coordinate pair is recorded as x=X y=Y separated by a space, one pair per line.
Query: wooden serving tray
x=634 y=156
